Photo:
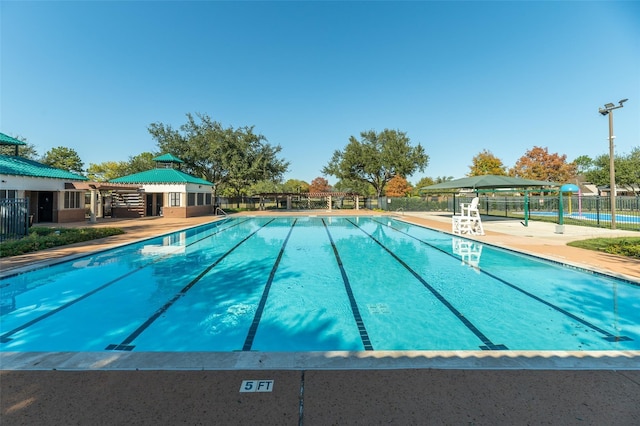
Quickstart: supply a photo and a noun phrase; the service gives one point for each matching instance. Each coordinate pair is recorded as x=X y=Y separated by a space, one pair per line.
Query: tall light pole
x=608 y=109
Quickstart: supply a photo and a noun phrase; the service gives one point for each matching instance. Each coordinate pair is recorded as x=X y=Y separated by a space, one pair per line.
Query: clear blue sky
x=457 y=77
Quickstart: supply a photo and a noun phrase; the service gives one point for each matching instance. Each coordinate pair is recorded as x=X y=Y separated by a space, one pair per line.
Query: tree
x=425 y=181
x=140 y=163
x=355 y=186
x=485 y=163
x=319 y=184
x=440 y=179
x=107 y=170
x=538 y=164
x=627 y=168
x=296 y=186
x=263 y=186
x=227 y=157
x=376 y=158
x=583 y=164
x=64 y=158
x=398 y=187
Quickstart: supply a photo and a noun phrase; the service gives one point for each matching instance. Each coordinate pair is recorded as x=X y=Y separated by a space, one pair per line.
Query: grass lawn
x=623 y=246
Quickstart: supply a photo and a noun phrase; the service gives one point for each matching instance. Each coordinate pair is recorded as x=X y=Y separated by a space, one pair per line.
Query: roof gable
x=168 y=158
x=161 y=176
x=8 y=140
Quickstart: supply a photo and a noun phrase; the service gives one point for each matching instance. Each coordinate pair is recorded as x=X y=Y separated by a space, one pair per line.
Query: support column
x=329 y=202
x=92 y=216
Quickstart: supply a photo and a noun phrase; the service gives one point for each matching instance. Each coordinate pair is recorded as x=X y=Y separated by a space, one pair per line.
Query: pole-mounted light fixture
x=608 y=110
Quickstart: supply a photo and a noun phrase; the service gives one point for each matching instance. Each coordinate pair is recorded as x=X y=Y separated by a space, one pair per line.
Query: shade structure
x=489 y=182
x=569 y=187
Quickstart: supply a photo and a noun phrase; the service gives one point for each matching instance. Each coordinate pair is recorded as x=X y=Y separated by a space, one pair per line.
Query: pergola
x=95 y=187
x=328 y=196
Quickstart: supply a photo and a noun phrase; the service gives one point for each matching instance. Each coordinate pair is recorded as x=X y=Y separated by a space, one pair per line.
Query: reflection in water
x=171 y=244
x=469 y=251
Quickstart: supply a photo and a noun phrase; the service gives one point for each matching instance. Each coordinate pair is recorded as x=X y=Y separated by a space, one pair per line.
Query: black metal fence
x=14 y=218
x=576 y=209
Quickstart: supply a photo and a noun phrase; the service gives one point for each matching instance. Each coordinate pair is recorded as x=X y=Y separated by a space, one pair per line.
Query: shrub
x=624 y=246
x=41 y=238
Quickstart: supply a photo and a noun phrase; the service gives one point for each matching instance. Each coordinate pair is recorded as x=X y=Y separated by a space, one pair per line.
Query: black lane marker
x=248 y=342
x=352 y=300
x=607 y=336
x=125 y=345
x=488 y=344
x=4 y=338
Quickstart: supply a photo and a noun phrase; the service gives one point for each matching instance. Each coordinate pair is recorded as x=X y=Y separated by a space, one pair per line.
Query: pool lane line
x=4 y=337
x=97 y=252
x=248 y=342
x=364 y=336
x=125 y=345
x=488 y=344
x=607 y=335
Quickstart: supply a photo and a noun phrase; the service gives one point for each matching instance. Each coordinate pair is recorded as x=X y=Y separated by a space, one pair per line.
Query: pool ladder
x=219 y=210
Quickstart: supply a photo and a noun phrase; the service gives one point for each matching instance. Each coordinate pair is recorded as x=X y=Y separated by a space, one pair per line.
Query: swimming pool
x=591 y=217
x=304 y=284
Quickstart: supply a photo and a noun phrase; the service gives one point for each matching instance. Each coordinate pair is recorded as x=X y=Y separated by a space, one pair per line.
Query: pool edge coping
x=332 y=360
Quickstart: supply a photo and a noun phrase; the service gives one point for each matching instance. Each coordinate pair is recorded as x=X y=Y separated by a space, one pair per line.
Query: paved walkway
x=406 y=396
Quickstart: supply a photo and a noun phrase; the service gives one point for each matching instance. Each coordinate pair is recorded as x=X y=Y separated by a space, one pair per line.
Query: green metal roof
x=168 y=158
x=20 y=166
x=8 y=140
x=161 y=176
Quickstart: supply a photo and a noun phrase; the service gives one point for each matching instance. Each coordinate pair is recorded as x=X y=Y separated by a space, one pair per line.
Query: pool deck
x=406 y=389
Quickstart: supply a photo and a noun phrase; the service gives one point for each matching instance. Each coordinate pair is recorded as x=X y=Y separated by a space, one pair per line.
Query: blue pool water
x=603 y=217
x=315 y=284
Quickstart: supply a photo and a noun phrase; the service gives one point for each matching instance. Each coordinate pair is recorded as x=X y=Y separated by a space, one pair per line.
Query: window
x=72 y=200
x=191 y=199
x=200 y=198
x=207 y=199
x=174 y=199
x=8 y=194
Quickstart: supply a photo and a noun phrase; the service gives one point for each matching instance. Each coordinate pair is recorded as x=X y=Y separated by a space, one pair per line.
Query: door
x=45 y=206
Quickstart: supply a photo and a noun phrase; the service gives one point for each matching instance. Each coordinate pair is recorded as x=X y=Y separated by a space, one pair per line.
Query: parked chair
x=468 y=221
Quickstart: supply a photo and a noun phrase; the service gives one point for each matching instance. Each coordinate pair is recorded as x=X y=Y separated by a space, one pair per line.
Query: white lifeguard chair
x=468 y=221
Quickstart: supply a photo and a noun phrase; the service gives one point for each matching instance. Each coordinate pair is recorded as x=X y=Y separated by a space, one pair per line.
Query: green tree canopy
x=377 y=158
x=485 y=163
x=229 y=158
x=64 y=158
x=355 y=186
x=141 y=162
x=295 y=185
x=627 y=168
x=107 y=170
x=425 y=181
x=583 y=164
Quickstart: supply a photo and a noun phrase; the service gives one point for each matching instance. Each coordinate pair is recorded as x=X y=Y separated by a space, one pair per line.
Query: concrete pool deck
x=401 y=392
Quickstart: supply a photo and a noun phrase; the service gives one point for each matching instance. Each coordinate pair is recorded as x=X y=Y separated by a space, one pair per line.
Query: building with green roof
x=45 y=188
x=165 y=191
